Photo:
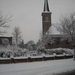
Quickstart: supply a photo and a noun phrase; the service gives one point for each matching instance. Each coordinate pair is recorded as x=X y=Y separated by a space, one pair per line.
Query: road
x=37 y=68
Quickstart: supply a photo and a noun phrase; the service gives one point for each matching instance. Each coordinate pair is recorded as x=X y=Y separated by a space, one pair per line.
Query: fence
x=33 y=58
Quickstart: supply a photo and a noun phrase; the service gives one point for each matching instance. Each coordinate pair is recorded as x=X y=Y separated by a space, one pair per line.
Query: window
x=47 y=19
x=66 y=42
x=5 y=41
x=49 y=44
x=57 y=41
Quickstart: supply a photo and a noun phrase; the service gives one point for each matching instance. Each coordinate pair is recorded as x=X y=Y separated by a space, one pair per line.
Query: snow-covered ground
x=37 y=68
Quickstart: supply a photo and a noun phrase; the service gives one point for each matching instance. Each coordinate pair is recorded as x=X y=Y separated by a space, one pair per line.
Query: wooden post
x=74 y=52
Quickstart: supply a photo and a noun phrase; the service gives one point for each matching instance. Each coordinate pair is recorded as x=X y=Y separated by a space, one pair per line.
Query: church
x=50 y=31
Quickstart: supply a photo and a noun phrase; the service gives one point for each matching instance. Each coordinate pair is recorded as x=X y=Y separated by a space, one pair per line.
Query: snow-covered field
x=37 y=68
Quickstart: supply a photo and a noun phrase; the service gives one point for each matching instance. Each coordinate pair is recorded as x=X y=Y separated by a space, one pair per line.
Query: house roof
x=5 y=35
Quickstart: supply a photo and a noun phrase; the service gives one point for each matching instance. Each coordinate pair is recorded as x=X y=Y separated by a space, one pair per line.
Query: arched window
x=57 y=41
x=5 y=42
x=66 y=42
x=47 y=19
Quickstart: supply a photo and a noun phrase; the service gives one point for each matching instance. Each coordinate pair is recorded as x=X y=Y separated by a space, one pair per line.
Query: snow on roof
x=5 y=35
x=46 y=12
x=53 y=30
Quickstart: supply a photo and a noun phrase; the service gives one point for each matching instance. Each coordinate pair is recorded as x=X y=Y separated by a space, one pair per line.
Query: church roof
x=46 y=6
x=53 y=30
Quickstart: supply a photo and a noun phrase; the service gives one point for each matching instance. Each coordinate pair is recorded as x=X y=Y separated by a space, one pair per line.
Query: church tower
x=46 y=17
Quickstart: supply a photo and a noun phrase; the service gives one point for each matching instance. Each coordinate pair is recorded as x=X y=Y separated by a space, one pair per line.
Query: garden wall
x=33 y=58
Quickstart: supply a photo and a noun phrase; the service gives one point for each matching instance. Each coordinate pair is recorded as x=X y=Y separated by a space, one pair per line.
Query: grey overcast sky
x=27 y=14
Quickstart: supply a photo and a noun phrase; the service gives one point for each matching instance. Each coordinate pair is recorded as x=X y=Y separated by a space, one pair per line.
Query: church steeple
x=46 y=18
x=46 y=6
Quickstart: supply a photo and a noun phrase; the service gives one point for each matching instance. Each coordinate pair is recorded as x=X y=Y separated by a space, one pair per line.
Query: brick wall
x=9 y=38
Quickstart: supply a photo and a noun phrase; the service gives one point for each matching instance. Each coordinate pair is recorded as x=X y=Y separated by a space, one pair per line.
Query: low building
x=9 y=39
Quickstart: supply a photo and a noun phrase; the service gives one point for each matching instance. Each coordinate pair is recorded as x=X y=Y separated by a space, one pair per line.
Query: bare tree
x=4 y=21
x=21 y=45
x=31 y=45
x=67 y=27
x=46 y=39
x=16 y=35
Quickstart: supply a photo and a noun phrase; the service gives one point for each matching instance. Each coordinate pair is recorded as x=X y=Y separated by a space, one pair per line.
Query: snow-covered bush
x=19 y=53
x=59 y=51
x=2 y=54
x=5 y=54
x=41 y=49
x=33 y=53
x=8 y=54
x=49 y=52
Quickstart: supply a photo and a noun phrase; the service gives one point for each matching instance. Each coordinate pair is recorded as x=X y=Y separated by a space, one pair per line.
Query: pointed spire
x=46 y=6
